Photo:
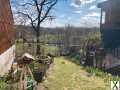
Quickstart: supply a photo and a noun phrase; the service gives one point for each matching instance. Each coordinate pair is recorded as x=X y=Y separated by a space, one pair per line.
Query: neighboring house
x=7 y=49
x=110 y=31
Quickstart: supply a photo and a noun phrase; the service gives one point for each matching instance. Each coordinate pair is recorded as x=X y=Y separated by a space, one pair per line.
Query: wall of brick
x=6 y=25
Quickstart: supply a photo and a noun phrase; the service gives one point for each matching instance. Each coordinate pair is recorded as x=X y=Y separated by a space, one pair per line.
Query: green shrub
x=94 y=71
x=97 y=72
x=77 y=57
x=2 y=83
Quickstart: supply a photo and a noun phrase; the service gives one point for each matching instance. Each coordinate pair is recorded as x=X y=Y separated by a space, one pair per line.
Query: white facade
x=6 y=60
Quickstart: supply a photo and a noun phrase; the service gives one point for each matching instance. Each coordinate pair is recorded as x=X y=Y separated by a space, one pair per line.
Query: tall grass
x=100 y=73
x=94 y=71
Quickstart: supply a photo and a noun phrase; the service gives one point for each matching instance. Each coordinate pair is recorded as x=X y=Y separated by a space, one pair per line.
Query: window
x=103 y=17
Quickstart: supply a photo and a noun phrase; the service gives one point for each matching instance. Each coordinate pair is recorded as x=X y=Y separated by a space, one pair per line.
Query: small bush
x=94 y=71
x=77 y=57
x=97 y=72
x=2 y=83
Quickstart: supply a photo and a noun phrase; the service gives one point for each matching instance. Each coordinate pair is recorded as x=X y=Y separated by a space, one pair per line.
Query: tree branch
x=49 y=2
x=48 y=10
x=28 y=4
x=29 y=17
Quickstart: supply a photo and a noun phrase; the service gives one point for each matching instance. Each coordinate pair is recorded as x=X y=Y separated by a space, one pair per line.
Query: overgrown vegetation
x=2 y=84
x=94 y=71
x=106 y=76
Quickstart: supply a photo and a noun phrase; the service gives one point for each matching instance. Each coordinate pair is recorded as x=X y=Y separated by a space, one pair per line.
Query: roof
x=109 y=3
x=101 y=5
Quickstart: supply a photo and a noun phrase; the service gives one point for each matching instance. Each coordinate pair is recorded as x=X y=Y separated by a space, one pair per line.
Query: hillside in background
x=28 y=32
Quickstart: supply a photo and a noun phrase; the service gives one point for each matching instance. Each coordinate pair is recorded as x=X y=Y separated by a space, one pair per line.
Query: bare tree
x=36 y=11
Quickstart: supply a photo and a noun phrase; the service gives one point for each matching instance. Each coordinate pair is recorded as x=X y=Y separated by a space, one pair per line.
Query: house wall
x=7 y=48
x=6 y=23
x=112 y=12
x=6 y=60
x=110 y=32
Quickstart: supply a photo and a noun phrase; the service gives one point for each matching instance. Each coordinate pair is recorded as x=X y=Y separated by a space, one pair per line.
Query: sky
x=79 y=13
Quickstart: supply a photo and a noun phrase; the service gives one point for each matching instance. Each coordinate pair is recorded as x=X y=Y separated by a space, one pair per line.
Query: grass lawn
x=67 y=75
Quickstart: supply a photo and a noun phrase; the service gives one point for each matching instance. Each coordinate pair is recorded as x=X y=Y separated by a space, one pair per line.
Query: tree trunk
x=38 y=42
